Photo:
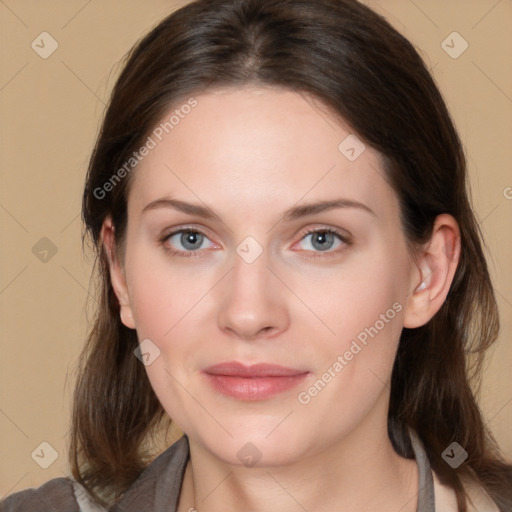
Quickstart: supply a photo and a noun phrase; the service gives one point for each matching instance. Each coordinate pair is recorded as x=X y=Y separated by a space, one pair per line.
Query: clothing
x=158 y=489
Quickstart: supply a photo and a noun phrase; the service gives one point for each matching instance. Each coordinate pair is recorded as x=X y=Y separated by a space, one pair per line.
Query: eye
x=324 y=240
x=187 y=241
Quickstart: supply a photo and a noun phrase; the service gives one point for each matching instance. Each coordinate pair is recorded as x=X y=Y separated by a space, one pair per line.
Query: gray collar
x=426 y=498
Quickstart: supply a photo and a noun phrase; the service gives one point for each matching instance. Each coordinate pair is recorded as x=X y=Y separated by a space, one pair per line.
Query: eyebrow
x=296 y=212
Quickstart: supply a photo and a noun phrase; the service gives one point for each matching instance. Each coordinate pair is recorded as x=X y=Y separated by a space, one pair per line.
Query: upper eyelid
x=175 y=231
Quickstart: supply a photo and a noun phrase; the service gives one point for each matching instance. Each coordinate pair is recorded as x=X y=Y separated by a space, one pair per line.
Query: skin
x=249 y=155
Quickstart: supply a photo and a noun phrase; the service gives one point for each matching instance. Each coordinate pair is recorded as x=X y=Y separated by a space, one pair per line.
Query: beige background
x=50 y=110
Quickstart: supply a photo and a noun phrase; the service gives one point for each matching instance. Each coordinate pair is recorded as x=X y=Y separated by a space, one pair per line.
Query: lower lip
x=252 y=389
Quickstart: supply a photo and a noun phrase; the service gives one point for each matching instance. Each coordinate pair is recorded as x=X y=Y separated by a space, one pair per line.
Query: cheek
x=162 y=292
x=368 y=290
x=353 y=368
x=172 y=304
x=166 y=303
x=362 y=315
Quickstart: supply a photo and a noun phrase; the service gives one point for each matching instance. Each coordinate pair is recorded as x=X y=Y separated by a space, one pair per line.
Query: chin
x=253 y=445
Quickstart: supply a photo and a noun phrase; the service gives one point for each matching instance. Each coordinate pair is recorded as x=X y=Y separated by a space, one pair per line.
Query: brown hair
x=352 y=60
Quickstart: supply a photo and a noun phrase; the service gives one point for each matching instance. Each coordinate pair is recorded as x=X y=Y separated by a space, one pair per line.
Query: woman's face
x=251 y=172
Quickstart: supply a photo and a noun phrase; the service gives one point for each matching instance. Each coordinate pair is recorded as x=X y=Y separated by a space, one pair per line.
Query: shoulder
x=56 y=494
x=157 y=487
x=446 y=501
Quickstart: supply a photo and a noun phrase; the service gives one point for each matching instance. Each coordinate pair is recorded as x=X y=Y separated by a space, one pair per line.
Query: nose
x=254 y=301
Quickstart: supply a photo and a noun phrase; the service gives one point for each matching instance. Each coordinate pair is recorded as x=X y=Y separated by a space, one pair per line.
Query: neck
x=359 y=472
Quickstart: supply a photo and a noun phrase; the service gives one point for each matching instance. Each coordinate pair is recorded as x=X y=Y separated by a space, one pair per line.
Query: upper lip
x=236 y=369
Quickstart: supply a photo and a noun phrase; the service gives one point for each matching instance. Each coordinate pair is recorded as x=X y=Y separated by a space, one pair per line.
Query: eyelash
x=315 y=254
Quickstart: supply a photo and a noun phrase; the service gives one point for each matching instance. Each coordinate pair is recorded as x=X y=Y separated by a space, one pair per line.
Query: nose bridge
x=253 y=301
x=250 y=274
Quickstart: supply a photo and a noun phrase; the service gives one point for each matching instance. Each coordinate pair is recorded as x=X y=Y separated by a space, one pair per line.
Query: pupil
x=321 y=240
x=190 y=239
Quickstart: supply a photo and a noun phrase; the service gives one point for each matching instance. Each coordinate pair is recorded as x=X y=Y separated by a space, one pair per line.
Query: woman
x=290 y=270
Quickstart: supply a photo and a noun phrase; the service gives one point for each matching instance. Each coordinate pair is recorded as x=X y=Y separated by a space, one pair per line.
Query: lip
x=252 y=382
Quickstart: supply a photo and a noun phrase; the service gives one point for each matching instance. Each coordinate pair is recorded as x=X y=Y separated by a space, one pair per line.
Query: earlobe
x=433 y=275
x=117 y=275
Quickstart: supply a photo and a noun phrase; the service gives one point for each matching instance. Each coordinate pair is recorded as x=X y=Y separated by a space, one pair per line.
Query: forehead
x=257 y=150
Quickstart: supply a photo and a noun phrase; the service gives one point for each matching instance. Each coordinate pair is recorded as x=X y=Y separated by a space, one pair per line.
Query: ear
x=117 y=275
x=433 y=274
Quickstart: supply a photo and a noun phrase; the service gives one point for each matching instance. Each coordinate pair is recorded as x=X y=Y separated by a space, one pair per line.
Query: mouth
x=254 y=382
